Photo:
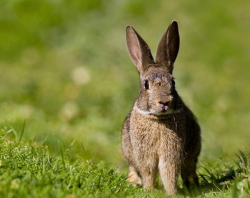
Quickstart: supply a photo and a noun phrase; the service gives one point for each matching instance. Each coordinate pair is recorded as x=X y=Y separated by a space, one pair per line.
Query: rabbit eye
x=146 y=84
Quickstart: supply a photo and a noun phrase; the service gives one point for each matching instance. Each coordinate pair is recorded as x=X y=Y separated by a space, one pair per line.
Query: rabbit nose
x=164 y=105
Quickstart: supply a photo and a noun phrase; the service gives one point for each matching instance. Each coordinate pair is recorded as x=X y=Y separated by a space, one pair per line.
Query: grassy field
x=67 y=84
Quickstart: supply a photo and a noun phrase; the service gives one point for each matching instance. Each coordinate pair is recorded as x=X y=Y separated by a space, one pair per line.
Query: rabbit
x=160 y=134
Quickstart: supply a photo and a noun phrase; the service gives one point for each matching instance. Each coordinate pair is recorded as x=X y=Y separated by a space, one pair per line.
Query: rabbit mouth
x=165 y=111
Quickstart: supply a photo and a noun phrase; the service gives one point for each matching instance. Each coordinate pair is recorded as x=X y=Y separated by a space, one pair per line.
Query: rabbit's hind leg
x=188 y=173
x=133 y=177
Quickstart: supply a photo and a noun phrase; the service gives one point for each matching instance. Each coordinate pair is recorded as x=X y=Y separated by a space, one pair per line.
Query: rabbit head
x=157 y=87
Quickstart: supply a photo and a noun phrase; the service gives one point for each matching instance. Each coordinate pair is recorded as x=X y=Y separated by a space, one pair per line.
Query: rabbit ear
x=169 y=46
x=138 y=49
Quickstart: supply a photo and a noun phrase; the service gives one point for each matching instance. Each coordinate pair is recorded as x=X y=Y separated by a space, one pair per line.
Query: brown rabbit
x=160 y=132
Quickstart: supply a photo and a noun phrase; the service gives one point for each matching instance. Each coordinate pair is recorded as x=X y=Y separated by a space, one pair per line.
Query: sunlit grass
x=34 y=169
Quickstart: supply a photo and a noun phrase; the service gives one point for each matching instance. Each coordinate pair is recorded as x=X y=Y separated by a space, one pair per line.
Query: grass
x=64 y=69
x=30 y=169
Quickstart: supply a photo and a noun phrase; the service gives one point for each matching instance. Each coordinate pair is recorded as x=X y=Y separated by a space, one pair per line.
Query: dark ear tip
x=128 y=27
x=175 y=23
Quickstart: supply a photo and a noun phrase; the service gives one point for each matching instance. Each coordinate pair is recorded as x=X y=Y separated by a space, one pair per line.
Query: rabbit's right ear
x=169 y=46
x=138 y=49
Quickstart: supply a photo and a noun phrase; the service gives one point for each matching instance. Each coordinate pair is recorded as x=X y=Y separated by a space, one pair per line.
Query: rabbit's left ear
x=169 y=46
x=138 y=50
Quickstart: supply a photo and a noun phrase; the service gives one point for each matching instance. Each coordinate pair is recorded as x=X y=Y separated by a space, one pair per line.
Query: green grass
x=30 y=169
x=64 y=68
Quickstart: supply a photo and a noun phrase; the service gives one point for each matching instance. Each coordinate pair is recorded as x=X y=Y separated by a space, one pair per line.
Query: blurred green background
x=64 y=68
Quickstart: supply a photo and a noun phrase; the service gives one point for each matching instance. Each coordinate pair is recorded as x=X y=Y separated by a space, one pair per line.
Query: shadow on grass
x=223 y=176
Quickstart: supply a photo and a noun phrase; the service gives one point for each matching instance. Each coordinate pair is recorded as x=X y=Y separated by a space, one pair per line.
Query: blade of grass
x=21 y=135
x=62 y=155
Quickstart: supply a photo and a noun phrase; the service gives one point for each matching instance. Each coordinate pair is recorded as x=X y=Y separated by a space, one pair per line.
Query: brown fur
x=160 y=133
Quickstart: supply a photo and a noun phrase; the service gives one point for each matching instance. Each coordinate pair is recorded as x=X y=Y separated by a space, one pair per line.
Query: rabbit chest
x=153 y=138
